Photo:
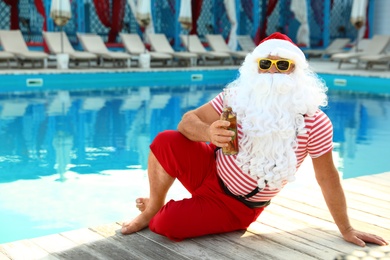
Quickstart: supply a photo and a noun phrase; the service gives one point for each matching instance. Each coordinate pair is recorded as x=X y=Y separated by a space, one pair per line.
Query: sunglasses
x=281 y=65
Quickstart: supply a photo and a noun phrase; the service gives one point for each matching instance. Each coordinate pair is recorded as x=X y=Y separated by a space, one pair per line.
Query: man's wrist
x=345 y=229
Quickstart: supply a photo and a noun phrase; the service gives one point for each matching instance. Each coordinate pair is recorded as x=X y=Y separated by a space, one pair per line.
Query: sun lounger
x=379 y=59
x=13 y=42
x=361 y=47
x=93 y=43
x=6 y=57
x=135 y=47
x=160 y=43
x=194 y=45
x=376 y=45
x=58 y=45
x=217 y=43
x=336 y=46
x=246 y=43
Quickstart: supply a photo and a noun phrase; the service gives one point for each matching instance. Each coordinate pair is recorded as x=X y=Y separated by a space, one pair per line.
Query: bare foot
x=142 y=203
x=141 y=221
x=137 y=224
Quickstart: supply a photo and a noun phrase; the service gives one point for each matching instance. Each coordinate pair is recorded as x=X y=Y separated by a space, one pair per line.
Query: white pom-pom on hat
x=278 y=44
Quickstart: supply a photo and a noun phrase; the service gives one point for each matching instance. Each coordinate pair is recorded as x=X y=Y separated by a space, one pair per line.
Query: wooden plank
x=365 y=199
x=3 y=256
x=368 y=191
x=108 y=249
x=135 y=245
x=381 y=176
x=267 y=248
x=355 y=216
x=376 y=253
x=380 y=179
x=81 y=237
x=61 y=247
x=325 y=226
x=359 y=203
x=234 y=245
x=186 y=247
x=364 y=217
x=53 y=243
x=322 y=214
x=79 y=252
x=107 y=230
x=355 y=201
x=290 y=240
x=374 y=186
x=25 y=249
x=305 y=226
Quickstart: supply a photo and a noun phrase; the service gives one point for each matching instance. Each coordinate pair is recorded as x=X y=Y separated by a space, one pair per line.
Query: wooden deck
x=296 y=225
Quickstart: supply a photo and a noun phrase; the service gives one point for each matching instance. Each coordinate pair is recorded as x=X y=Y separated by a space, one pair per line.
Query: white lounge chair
x=135 y=47
x=13 y=42
x=194 y=45
x=160 y=43
x=6 y=57
x=93 y=43
x=54 y=41
x=376 y=45
x=246 y=43
x=378 y=59
x=336 y=46
x=217 y=43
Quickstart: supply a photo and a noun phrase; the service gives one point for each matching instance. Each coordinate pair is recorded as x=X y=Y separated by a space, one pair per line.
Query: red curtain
x=14 y=16
x=261 y=32
x=196 y=9
x=113 y=19
x=367 y=31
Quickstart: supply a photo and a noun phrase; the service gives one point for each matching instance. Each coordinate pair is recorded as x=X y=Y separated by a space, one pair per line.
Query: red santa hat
x=278 y=44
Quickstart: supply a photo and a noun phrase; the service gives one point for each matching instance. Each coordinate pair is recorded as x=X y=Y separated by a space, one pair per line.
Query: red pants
x=209 y=210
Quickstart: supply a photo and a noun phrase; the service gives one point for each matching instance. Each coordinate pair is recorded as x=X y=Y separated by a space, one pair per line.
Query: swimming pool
x=73 y=159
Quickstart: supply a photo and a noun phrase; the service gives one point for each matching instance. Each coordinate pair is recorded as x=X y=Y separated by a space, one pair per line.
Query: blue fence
x=328 y=19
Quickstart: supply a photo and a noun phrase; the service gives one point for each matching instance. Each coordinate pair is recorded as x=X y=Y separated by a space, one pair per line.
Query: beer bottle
x=229 y=115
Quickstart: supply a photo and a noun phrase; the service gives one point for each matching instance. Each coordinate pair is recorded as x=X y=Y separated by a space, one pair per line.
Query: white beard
x=270 y=109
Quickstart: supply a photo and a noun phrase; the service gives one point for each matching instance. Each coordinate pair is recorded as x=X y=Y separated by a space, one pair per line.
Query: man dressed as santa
x=276 y=100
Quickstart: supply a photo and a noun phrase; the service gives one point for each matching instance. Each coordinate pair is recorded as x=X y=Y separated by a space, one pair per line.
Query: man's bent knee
x=167 y=137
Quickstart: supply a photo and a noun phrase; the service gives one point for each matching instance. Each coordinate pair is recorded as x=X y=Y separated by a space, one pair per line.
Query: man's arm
x=329 y=180
x=203 y=124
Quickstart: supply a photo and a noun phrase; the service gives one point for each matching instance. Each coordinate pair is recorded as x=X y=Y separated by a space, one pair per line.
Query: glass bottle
x=229 y=115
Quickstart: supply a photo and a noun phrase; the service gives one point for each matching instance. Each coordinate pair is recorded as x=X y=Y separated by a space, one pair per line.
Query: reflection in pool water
x=71 y=159
x=361 y=125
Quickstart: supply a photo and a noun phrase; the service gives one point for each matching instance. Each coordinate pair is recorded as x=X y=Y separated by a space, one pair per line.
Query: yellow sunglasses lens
x=281 y=65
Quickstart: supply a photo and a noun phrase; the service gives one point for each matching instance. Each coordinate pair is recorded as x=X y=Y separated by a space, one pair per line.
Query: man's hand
x=361 y=238
x=218 y=133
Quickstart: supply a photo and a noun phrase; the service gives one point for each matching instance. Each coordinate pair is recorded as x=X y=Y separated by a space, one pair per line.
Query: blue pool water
x=73 y=159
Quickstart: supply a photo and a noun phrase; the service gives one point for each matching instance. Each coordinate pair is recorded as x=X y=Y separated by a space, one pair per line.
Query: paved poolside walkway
x=325 y=66
x=319 y=65
x=296 y=225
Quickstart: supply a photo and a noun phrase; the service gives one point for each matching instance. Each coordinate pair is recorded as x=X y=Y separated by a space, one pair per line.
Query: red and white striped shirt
x=316 y=141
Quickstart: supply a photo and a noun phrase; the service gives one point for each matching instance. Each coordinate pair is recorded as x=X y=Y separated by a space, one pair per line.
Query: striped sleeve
x=320 y=136
x=217 y=102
